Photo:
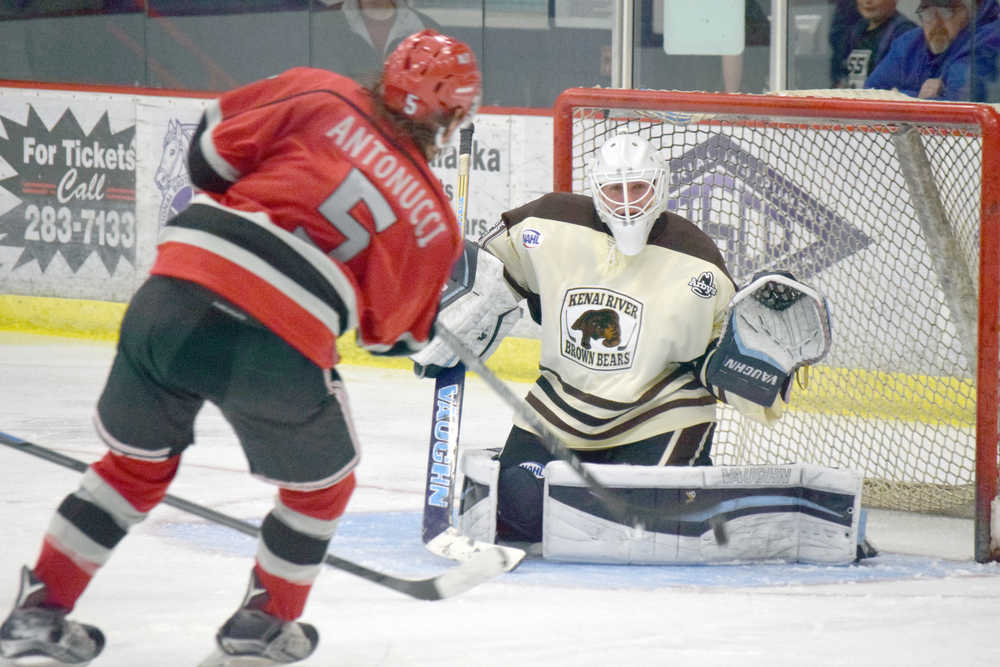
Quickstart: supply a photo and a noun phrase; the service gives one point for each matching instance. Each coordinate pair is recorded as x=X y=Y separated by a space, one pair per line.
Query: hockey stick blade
x=481 y=567
x=478 y=569
x=439 y=536
x=453 y=545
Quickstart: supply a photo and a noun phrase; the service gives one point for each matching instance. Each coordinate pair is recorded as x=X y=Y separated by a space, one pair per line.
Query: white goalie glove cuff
x=476 y=305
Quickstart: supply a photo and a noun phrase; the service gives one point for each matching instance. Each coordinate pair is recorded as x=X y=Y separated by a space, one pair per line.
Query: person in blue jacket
x=935 y=61
x=984 y=50
x=868 y=41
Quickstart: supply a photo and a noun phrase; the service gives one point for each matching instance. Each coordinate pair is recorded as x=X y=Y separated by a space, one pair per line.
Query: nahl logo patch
x=531 y=238
x=704 y=285
x=600 y=328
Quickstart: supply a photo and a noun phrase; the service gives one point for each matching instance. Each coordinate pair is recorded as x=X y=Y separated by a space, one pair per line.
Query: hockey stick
x=620 y=509
x=449 y=389
x=438 y=534
x=446 y=423
x=478 y=569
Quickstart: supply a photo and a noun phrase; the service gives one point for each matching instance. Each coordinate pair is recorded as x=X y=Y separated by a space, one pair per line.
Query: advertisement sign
x=67 y=195
x=507 y=170
x=87 y=181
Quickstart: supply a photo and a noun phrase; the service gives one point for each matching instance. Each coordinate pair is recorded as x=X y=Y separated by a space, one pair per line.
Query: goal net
x=880 y=204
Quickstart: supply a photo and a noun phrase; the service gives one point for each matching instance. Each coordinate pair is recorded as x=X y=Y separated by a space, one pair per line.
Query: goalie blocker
x=476 y=305
x=795 y=513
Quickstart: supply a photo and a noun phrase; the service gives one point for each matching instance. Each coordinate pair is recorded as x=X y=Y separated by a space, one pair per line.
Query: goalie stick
x=481 y=567
x=438 y=532
x=620 y=509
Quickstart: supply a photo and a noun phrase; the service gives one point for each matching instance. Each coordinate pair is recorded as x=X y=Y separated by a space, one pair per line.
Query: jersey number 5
x=353 y=190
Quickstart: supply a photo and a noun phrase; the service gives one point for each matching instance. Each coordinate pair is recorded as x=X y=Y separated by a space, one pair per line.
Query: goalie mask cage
x=883 y=206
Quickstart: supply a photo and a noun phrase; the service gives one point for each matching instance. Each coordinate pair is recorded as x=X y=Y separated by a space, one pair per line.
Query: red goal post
x=892 y=208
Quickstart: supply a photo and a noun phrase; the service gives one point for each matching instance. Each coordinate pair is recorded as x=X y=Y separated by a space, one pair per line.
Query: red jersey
x=316 y=217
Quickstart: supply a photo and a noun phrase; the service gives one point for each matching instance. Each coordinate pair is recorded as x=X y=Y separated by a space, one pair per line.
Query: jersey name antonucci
x=316 y=217
x=620 y=332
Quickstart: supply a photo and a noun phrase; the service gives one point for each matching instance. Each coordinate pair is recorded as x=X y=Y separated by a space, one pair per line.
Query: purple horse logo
x=171 y=176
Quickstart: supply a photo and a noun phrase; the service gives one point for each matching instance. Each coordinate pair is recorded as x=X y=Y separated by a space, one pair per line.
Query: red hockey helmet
x=431 y=78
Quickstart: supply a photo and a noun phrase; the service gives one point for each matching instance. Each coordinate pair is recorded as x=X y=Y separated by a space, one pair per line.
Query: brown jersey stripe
x=688 y=444
x=585 y=417
x=551 y=417
x=493 y=232
x=600 y=402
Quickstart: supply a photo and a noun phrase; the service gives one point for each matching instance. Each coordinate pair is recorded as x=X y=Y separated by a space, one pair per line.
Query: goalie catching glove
x=476 y=305
x=775 y=325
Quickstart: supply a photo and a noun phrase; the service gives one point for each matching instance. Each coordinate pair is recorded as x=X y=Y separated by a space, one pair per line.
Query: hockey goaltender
x=643 y=332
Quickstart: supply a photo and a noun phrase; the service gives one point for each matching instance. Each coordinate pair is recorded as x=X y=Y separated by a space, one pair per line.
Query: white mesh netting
x=883 y=217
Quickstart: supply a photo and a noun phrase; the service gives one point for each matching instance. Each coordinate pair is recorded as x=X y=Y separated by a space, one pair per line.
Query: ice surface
x=175 y=578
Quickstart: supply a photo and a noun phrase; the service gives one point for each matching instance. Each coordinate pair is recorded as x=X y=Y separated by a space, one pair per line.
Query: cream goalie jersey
x=621 y=335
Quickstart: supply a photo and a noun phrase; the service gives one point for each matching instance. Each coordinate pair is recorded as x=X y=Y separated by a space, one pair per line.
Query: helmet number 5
x=353 y=190
x=410 y=105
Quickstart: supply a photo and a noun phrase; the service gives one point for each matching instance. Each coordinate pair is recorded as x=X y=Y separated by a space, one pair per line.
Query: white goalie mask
x=628 y=181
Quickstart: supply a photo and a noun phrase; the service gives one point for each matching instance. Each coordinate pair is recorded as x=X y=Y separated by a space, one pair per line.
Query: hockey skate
x=32 y=631
x=253 y=638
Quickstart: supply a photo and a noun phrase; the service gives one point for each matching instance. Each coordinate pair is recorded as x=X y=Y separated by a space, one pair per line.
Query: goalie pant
x=795 y=513
x=524 y=456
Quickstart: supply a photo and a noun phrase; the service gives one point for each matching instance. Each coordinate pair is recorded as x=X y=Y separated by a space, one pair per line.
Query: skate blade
x=39 y=661
x=221 y=659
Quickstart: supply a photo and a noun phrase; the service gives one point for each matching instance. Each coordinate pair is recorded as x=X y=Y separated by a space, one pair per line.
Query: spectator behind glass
x=984 y=48
x=353 y=37
x=868 y=40
x=845 y=17
x=934 y=63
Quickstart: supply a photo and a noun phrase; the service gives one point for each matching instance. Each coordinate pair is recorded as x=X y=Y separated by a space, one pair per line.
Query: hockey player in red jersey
x=317 y=214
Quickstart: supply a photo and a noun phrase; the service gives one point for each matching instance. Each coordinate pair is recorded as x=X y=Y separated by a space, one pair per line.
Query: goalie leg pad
x=477 y=511
x=577 y=527
x=792 y=513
